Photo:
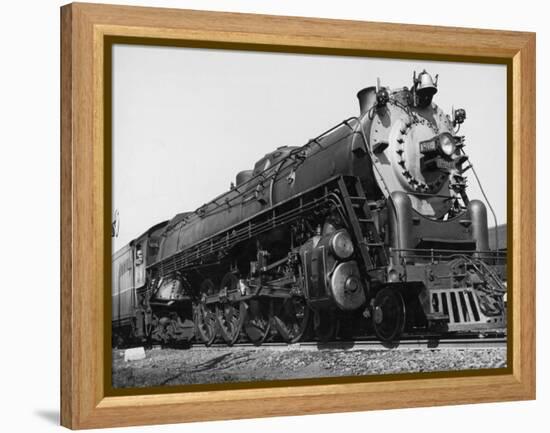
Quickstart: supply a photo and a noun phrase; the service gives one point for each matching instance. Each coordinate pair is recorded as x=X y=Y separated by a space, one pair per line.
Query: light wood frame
x=84 y=403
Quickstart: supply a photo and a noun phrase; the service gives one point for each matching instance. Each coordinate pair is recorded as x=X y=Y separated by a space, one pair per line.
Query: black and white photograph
x=282 y=216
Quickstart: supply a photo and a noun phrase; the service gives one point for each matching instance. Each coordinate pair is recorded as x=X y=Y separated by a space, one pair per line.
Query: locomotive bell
x=426 y=84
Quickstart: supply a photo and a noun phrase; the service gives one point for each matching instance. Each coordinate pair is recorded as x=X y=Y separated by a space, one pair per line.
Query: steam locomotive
x=366 y=229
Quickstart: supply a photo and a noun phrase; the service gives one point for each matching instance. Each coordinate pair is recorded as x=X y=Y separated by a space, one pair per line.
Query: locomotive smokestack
x=367 y=98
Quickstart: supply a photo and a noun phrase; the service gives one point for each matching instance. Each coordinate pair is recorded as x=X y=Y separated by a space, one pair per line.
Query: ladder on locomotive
x=362 y=224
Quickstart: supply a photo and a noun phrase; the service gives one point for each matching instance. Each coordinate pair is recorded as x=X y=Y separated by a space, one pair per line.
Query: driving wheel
x=230 y=315
x=205 y=323
x=257 y=323
x=292 y=319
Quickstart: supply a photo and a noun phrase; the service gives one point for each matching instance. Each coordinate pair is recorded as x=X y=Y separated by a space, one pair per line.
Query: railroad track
x=372 y=344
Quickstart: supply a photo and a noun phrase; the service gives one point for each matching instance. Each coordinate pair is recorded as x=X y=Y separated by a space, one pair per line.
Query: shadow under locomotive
x=365 y=229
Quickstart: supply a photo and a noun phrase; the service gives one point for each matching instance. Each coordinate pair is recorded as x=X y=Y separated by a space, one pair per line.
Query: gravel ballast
x=203 y=365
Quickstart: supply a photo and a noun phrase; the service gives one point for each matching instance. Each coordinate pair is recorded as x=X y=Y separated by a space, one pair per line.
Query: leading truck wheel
x=388 y=315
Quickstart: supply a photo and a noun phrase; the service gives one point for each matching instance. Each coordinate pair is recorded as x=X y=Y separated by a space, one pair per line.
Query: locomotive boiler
x=365 y=229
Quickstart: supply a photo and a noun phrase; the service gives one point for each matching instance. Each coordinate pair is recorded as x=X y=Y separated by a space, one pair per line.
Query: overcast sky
x=185 y=121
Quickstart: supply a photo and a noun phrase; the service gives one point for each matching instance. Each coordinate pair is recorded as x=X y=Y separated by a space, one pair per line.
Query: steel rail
x=429 y=343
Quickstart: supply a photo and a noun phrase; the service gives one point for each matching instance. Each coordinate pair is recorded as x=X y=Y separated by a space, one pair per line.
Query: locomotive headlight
x=447 y=144
x=341 y=244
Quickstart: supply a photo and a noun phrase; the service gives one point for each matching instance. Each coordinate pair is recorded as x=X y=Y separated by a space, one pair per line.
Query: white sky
x=185 y=121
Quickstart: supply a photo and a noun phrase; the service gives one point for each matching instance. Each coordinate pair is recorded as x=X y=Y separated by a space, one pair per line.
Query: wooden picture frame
x=85 y=217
